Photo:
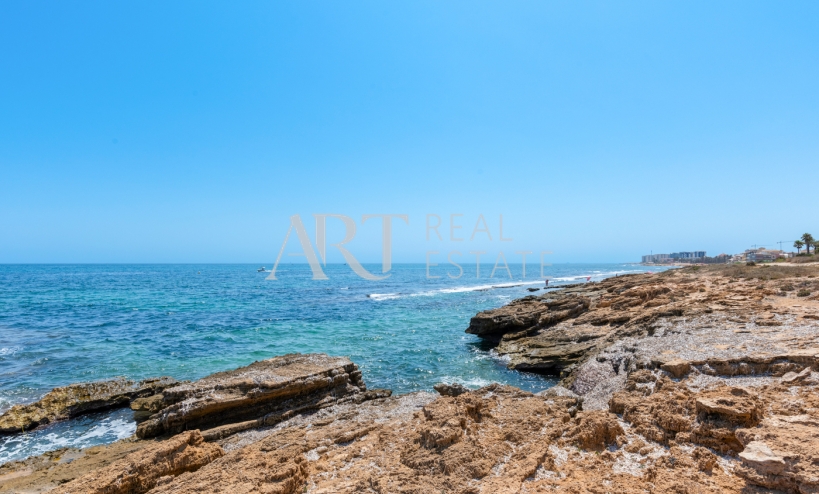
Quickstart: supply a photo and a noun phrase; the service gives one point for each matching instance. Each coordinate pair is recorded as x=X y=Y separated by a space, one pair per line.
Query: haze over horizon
x=191 y=132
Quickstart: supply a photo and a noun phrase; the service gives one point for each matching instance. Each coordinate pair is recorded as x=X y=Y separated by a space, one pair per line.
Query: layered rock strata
x=263 y=393
x=78 y=399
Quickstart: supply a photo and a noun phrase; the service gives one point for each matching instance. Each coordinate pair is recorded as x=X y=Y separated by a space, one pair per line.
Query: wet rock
x=527 y=313
x=140 y=471
x=453 y=389
x=78 y=399
x=263 y=393
x=145 y=407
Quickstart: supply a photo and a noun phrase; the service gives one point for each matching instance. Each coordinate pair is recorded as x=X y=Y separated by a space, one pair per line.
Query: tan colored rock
x=267 y=391
x=594 y=430
x=494 y=440
x=696 y=433
x=280 y=470
x=139 y=472
x=760 y=457
x=45 y=472
x=709 y=313
x=677 y=367
x=501 y=439
x=794 y=377
x=145 y=407
x=735 y=405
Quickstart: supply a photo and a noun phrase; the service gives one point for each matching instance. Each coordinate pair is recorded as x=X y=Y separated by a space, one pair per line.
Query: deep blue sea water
x=61 y=324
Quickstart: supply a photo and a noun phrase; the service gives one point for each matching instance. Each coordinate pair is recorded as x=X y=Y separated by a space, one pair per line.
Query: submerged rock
x=78 y=399
x=262 y=393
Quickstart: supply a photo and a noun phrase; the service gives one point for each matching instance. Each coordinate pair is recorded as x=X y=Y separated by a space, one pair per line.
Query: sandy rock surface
x=142 y=470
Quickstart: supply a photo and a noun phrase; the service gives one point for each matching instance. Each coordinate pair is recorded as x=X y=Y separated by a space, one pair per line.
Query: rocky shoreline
x=701 y=379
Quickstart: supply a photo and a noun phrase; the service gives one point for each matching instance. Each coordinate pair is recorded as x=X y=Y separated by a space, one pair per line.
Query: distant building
x=664 y=258
x=655 y=258
x=697 y=254
x=763 y=254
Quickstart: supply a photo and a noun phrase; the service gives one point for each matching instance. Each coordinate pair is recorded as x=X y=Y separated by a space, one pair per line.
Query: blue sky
x=192 y=131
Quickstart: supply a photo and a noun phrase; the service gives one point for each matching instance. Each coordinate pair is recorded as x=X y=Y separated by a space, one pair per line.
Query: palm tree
x=798 y=245
x=808 y=239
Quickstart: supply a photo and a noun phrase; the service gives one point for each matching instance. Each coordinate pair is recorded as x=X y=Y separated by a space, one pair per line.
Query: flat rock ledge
x=77 y=399
x=262 y=393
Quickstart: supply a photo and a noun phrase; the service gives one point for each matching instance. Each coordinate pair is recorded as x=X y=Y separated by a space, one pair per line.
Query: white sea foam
x=457 y=289
x=78 y=433
x=595 y=275
x=472 y=383
x=553 y=283
x=477 y=288
x=384 y=296
x=9 y=351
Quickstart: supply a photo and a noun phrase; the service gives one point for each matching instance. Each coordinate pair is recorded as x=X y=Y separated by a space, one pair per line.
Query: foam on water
x=457 y=289
x=9 y=351
x=89 y=430
x=384 y=296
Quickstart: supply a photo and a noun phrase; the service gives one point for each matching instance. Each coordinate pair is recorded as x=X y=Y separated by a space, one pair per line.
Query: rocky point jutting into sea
x=702 y=379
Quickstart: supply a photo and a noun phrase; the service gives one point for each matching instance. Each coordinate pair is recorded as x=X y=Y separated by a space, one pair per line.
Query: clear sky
x=158 y=131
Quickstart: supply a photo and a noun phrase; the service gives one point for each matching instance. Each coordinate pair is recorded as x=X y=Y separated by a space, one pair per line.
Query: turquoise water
x=61 y=324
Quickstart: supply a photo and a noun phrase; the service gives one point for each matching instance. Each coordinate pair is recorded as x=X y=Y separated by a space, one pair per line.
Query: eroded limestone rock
x=140 y=471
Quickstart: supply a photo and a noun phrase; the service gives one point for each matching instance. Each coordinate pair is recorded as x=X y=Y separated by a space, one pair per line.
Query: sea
x=63 y=324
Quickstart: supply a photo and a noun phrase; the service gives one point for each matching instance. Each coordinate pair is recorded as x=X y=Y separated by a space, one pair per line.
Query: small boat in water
x=261 y=270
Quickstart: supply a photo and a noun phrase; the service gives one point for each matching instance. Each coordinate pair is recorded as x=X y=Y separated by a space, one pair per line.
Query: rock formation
x=661 y=319
x=263 y=393
x=453 y=389
x=698 y=380
x=78 y=399
x=141 y=471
